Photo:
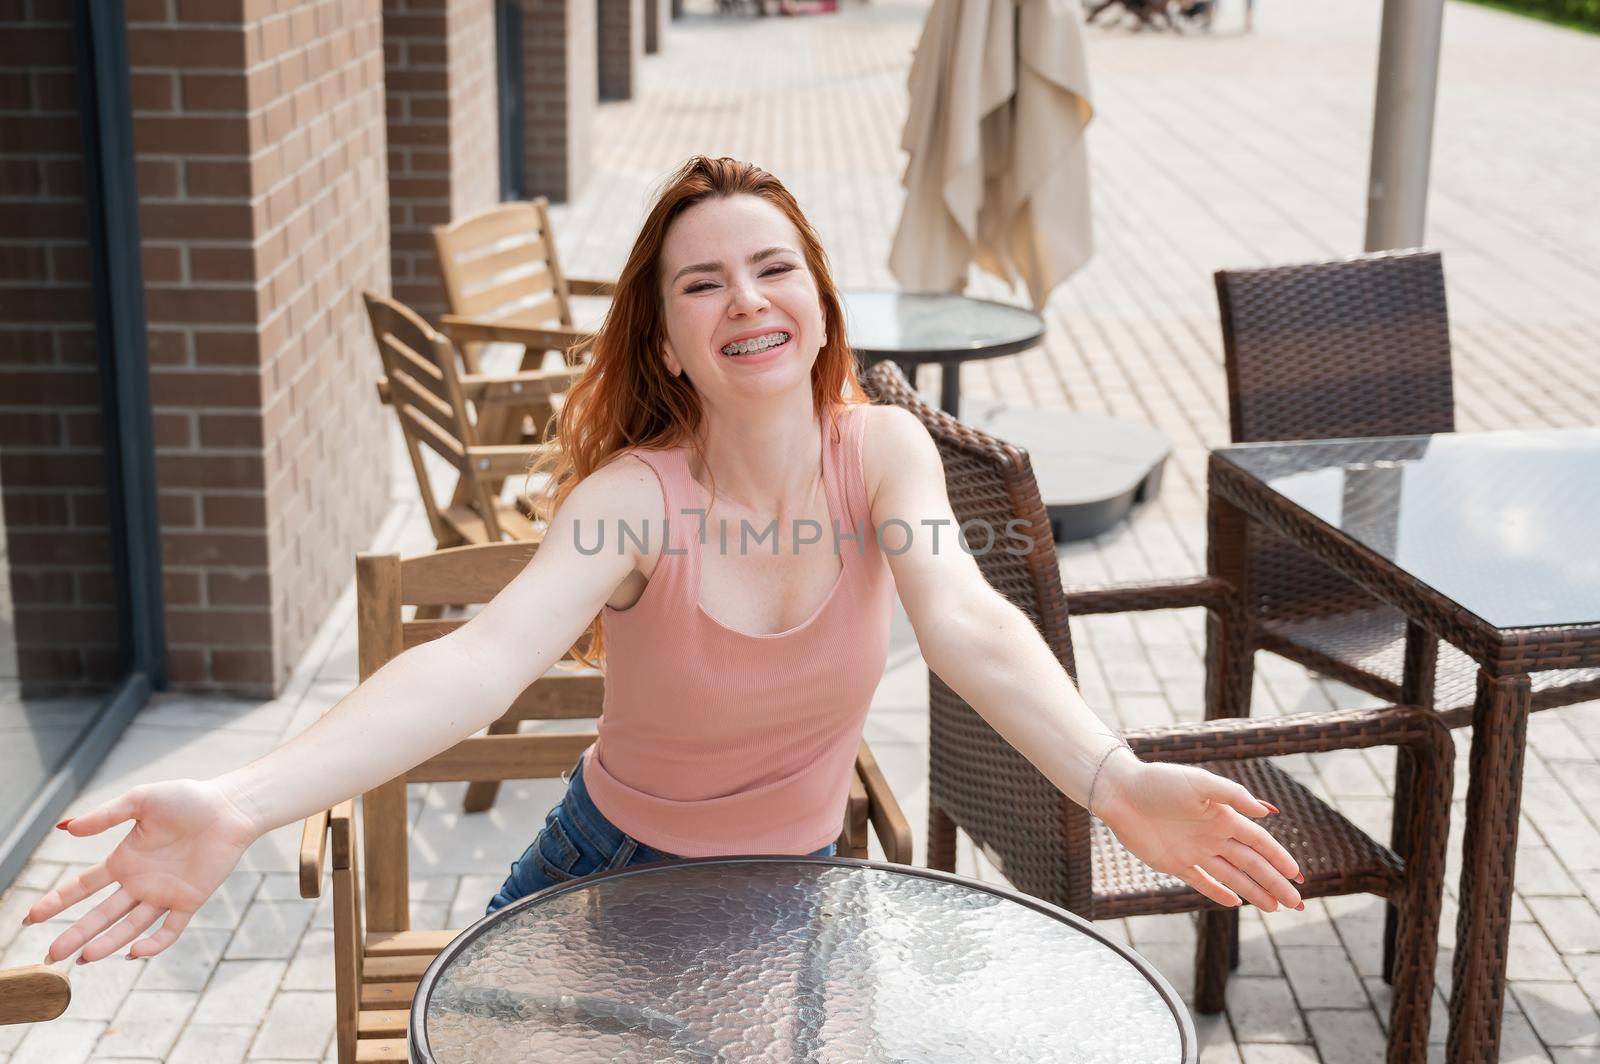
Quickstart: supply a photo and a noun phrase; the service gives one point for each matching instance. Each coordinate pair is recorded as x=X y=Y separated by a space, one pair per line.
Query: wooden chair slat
x=423 y=430
x=462 y=574
x=488 y=228
x=387 y=995
x=403 y=388
x=406 y=359
x=383 y=1023
x=380 y=1049
x=407 y=968
x=540 y=315
x=518 y=297
x=503 y=757
x=406 y=943
x=523 y=256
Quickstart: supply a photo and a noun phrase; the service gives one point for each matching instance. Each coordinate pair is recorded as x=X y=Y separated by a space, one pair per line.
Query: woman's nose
x=745 y=297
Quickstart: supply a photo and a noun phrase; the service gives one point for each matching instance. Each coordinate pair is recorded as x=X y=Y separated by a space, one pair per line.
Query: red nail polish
x=1301 y=907
x=1271 y=808
x=63 y=825
x=81 y=961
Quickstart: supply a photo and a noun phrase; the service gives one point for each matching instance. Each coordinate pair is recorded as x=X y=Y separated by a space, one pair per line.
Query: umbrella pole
x=1402 y=123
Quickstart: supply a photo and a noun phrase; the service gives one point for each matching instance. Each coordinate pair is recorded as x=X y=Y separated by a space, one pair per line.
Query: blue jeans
x=578 y=841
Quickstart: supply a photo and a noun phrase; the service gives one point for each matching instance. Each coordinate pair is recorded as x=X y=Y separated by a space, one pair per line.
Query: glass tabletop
x=780 y=959
x=933 y=326
x=1504 y=524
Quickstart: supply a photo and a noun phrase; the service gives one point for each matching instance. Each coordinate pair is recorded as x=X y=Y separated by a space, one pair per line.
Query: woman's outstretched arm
x=1178 y=819
x=189 y=834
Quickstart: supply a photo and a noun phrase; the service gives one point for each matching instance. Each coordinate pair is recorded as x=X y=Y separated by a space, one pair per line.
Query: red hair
x=626 y=397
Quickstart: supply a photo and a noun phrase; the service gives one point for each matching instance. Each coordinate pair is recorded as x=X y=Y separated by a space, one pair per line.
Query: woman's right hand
x=187 y=836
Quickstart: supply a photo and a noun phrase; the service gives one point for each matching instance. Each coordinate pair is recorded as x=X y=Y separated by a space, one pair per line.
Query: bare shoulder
x=893 y=441
x=624 y=490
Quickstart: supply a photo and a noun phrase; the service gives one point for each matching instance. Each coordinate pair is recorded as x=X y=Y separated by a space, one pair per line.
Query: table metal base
x=1091 y=469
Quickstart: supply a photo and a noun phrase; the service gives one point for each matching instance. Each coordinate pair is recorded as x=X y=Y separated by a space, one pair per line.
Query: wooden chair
x=1340 y=350
x=439 y=407
x=378 y=959
x=500 y=266
x=1050 y=847
x=503 y=283
x=32 y=994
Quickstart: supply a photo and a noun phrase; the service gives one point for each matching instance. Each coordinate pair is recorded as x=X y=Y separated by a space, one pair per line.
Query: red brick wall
x=439 y=60
x=621 y=47
x=58 y=576
x=259 y=134
x=559 y=92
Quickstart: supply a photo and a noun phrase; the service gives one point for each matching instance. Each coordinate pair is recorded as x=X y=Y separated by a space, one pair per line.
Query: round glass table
x=791 y=959
x=913 y=329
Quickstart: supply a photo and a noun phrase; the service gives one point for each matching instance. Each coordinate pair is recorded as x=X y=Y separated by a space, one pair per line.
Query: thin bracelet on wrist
x=1119 y=744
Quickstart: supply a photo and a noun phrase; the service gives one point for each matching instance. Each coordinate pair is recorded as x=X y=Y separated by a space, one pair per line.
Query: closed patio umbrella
x=998 y=172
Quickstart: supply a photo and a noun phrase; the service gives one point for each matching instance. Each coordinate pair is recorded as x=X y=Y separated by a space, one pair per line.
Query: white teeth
x=760 y=343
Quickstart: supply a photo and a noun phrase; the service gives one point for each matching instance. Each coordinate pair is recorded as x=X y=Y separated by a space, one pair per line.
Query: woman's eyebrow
x=716 y=267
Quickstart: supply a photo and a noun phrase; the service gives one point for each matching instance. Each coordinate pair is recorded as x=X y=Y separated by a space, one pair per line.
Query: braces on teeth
x=760 y=343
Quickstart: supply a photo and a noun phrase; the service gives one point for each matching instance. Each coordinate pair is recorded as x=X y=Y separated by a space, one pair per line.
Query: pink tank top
x=715 y=741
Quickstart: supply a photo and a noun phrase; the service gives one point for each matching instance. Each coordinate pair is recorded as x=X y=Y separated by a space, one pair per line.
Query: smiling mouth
x=756 y=345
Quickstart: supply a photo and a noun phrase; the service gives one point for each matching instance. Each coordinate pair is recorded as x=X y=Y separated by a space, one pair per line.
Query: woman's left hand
x=1197 y=826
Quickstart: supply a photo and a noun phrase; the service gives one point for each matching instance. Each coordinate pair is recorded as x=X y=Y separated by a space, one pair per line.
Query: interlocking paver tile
x=1270 y=169
x=147 y=1024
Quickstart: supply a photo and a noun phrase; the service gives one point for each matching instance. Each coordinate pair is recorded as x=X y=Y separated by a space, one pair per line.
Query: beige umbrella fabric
x=998 y=172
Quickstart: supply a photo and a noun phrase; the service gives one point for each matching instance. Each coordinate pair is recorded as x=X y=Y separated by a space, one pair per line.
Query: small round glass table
x=791 y=959
x=913 y=329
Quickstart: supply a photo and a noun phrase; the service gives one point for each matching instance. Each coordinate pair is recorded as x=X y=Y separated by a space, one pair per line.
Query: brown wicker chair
x=1338 y=350
x=1050 y=847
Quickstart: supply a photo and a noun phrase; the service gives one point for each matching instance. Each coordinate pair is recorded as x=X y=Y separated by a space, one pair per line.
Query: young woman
x=718 y=430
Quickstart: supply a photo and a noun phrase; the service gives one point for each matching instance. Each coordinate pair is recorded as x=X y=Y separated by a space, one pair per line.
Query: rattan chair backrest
x=1327 y=350
x=1022 y=822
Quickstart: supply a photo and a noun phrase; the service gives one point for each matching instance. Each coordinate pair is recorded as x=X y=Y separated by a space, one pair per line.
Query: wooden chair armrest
x=1238 y=738
x=313 y=851
x=337 y=822
x=540 y=338
x=589 y=286
x=33 y=994
x=888 y=820
x=1209 y=591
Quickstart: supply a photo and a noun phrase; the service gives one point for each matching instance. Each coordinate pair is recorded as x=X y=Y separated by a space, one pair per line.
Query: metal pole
x=1402 y=123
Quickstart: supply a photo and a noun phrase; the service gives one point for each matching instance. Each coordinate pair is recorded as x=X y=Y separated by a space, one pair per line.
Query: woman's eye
x=782 y=267
x=700 y=286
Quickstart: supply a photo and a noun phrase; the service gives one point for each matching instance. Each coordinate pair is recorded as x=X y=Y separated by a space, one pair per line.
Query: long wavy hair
x=626 y=398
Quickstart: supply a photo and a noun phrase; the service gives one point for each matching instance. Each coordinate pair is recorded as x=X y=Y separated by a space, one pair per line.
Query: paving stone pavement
x=1209 y=150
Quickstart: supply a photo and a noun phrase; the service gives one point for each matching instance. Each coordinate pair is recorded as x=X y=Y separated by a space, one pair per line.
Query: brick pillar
x=620 y=47
x=559 y=92
x=655 y=25
x=259 y=133
x=57 y=576
x=439 y=70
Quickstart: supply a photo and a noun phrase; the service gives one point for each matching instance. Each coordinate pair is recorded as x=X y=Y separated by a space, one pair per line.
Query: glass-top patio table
x=915 y=329
x=791 y=959
x=1484 y=540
